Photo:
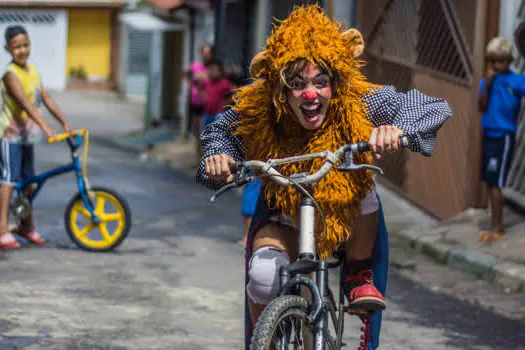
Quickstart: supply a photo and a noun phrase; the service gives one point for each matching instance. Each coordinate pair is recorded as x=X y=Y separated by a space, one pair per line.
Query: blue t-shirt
x=504 y=104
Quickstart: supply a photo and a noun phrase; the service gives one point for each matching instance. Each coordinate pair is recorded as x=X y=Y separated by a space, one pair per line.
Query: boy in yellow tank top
x=21 y=125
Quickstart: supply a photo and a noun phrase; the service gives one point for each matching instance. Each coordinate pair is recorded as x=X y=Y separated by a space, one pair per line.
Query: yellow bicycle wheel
x=115 y=224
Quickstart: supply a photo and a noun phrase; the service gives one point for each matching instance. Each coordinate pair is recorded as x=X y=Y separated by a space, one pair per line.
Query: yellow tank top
x=15 y=124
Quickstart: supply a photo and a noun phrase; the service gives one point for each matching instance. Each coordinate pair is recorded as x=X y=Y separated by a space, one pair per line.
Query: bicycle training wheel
x=114 y=212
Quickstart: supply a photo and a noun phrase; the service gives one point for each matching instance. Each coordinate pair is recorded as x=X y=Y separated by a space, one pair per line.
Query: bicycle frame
x=40 y=179
x=323 y=301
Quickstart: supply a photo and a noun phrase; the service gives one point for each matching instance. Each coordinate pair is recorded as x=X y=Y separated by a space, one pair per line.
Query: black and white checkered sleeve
x=418 y=115
x=217 y=139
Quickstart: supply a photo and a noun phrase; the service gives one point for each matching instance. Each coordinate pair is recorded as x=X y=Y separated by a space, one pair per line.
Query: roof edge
x=63 y=4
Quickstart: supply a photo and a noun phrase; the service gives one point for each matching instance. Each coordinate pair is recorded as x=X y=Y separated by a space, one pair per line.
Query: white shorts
x=369 y=205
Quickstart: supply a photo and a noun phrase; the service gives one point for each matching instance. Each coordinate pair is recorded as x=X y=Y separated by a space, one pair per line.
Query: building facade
x=85 y=39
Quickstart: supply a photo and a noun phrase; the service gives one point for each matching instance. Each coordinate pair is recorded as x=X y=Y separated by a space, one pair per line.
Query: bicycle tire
x=117 y=238
x=274 y=313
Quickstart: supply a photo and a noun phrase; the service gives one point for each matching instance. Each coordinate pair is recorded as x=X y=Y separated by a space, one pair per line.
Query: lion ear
x=355 y=40
x=259 y=65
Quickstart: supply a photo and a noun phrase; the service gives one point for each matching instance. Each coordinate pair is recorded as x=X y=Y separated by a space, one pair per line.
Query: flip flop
x=32 y=236
x=483 y=236
x=8 y=241
x=494 y=236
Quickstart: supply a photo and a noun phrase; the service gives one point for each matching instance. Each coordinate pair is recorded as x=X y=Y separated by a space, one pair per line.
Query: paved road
x=176 y=281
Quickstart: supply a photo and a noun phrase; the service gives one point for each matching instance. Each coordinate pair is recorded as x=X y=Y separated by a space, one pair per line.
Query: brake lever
x=236 y=183
x=353 y=167
x=348 y=165
x=222 y=190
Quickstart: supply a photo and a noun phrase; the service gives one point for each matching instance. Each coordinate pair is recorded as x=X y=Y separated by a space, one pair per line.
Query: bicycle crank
x=20 y=207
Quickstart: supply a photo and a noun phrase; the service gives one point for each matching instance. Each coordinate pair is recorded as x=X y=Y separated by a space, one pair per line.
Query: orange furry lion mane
x=269 y=129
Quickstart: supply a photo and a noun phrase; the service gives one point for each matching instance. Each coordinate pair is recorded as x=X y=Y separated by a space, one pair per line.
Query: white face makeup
x=309 y=96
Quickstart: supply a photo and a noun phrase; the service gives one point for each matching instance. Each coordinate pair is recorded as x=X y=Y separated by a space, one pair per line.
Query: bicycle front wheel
x=114 y=212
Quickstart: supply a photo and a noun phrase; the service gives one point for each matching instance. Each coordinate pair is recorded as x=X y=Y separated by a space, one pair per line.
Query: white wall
x=507 y=18
x=48 y=42
x=344 y=12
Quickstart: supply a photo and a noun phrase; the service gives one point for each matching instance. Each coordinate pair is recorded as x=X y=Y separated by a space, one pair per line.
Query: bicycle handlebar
x=268 y=167
x=65 y=136
x=331 y=157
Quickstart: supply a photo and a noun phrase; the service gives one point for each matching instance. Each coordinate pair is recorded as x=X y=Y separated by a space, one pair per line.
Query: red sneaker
x=362 y=295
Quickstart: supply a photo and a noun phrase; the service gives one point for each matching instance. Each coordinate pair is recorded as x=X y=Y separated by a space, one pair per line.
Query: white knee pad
x=265 y=264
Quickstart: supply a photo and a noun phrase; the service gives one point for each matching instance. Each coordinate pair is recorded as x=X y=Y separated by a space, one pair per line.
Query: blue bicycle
x=96 y=218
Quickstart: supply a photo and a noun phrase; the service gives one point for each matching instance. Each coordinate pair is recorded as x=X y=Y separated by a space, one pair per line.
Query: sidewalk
x=452 y=242
x=102 y=112
x=110 y=119
x=455 y=242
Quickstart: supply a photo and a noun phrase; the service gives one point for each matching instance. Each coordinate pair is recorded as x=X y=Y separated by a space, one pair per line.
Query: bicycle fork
x=306 y=264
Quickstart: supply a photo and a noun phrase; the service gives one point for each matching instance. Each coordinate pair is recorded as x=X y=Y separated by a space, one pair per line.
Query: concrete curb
x=508 y=275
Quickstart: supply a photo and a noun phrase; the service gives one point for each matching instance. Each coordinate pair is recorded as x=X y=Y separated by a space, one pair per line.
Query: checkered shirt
x=418 y=115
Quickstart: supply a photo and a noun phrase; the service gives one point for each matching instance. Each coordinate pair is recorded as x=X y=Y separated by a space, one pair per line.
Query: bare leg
x=28 y=224
x=361 y=243
x=496 y=203
x=278 y=236
x=247 y=223
x=6 y=191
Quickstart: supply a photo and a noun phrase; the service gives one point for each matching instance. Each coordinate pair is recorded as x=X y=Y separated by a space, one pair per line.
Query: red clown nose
x=310 y=95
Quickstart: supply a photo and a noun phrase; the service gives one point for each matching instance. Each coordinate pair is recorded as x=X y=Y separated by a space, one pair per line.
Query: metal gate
x=430 y=45
x=515 y=190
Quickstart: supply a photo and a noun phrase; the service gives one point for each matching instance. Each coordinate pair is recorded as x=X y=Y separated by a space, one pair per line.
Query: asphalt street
x=177 y=281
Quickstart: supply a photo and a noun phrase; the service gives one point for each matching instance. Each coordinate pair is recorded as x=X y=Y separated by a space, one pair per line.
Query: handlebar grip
x=234 y=168
x=65 y=136
x=58 y=138
x=363 y=147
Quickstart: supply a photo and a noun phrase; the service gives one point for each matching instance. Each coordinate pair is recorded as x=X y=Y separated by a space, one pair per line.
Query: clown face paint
x=309 y=95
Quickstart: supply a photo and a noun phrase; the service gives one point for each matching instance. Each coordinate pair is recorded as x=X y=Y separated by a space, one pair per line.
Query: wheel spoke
x=282 y=335
x=111 y=217
x=82 y=210
x=104 y=232
x=100 y=206
x=86 y=230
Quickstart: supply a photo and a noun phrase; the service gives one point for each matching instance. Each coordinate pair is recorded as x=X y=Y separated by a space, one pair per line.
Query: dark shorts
x=497 y=158
x=16 y=162
x=196 y=111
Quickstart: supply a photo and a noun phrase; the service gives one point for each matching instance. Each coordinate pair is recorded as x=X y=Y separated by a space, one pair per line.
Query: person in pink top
x=197 y=74
x=217 y=92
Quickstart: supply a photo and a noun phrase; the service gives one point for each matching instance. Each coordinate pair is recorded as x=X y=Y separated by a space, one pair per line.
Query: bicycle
x=277 y=328
x=90 y=209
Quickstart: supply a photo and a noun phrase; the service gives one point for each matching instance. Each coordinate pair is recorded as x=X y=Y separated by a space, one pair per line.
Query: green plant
x=82 y=73
x=73 y=72
x=78 y=72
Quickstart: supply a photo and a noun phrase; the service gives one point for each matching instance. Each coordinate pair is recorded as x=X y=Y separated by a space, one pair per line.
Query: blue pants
x=249 y=198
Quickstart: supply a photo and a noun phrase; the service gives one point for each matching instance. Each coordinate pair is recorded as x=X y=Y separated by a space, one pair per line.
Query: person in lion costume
x=308 y=95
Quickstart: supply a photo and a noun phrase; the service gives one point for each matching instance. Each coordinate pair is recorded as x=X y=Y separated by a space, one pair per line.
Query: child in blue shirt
x=500 y=101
